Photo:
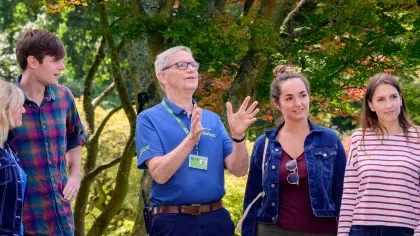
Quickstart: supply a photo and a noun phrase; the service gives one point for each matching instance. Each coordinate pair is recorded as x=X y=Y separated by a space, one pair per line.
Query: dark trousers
x=214 y=223
x=274 y=230
x=367 y=230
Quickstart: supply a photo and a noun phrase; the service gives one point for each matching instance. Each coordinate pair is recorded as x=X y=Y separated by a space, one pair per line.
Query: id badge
x=198 y=162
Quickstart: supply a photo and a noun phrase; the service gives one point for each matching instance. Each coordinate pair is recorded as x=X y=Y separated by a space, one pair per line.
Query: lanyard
x=168 y=108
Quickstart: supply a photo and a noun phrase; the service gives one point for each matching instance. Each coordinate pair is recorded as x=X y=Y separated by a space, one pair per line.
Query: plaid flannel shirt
x=47 y=133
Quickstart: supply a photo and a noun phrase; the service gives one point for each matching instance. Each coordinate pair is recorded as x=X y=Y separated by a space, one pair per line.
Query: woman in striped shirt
x=381 y=185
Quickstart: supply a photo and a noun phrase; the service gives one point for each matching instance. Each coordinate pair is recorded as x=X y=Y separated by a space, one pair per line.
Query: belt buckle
x=198 y=207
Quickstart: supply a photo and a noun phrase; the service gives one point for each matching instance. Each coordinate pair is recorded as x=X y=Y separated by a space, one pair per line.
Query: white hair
x=162 y=59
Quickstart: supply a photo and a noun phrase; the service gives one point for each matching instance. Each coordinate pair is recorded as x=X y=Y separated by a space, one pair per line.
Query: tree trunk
x=283 y=14
x=142 y=53
x=253 y=67
x=120 y=191
x=141 y=73
x=91 y=147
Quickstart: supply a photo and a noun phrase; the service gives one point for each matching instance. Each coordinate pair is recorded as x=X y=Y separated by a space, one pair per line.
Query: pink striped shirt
x=381 y=183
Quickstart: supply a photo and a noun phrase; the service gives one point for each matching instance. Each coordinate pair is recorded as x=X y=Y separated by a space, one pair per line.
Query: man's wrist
x=240 y=140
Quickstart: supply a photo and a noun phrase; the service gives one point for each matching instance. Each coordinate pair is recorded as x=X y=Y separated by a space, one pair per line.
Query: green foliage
x=235 y=190
x=111 y=142
x=412 y=99
x=234 y=198
x=216 y=42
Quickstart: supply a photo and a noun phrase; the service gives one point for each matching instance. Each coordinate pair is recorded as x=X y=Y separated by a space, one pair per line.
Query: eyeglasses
x=183 y=65
x=292 y=178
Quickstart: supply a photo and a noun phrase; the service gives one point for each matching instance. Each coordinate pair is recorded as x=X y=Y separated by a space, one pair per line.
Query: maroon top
x=295 y=210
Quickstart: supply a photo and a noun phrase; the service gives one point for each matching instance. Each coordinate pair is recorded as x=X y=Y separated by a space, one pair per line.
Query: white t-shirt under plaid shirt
x=381 y=183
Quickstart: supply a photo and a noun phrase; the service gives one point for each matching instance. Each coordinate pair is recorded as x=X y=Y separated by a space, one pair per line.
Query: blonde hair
x=11 y=99
x=162 y=59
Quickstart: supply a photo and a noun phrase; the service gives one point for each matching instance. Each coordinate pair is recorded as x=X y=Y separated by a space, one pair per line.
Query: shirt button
x=273 y=185
x=185 y=112
x=273 y=203
x=273 y=167
x=325 y=154
x=273 y=218
x=276 y=149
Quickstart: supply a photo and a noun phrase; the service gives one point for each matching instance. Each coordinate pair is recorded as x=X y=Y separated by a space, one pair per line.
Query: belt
x=195 y=209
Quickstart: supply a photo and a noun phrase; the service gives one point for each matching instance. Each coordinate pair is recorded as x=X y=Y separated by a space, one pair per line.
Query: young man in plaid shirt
x=51 y=136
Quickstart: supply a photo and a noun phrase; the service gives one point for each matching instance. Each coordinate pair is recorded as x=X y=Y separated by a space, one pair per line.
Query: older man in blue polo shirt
x=186 y=149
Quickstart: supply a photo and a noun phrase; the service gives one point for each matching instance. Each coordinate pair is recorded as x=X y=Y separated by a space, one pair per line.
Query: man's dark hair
x=38 y=43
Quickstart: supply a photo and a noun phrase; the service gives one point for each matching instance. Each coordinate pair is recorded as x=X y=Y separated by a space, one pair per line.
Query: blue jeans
x=367 y=230
x=214 y=223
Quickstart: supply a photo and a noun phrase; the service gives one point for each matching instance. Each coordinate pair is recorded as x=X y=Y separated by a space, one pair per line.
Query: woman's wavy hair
x=11 y=99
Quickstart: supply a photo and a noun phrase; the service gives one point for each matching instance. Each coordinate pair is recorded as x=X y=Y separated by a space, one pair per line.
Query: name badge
x=198 y=162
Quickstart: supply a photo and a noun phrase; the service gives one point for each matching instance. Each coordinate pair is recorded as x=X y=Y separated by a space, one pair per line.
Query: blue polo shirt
x=158 y=133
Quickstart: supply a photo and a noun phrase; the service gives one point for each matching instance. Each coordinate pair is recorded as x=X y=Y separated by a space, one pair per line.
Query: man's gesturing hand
x=241 y=120
x=196 y=129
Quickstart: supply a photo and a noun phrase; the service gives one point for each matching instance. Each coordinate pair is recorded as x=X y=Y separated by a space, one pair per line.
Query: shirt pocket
x=325 y=153
x=325 y=159
x=5 y=171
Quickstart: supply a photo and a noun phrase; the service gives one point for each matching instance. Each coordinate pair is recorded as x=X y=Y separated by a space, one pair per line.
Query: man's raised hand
x=196 y=129
x=242 y=119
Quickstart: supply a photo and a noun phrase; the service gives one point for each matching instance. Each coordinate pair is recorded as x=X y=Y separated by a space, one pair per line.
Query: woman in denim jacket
x=299 y=192
x=12 y=177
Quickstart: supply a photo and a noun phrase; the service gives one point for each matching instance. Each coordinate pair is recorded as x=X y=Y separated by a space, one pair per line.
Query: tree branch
x=111 y=87
x=103 y=95
x=87 y=89
x=101 y=168
x=121 y=46
x=284 y=26
x=247 y=6
x=311 y=31
x=103 y=124
x=115 y=64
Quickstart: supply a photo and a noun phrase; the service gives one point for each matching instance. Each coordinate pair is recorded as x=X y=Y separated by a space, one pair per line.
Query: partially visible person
x=12 y=176
x=381 y=185
x=296 y=173
x=50 y=138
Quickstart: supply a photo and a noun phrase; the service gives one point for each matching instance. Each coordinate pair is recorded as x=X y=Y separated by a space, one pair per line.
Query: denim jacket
x=325 y=160
x=11 y=199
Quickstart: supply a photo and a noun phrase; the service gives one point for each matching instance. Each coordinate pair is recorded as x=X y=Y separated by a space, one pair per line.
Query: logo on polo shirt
x=208 y=132
x=144 y=149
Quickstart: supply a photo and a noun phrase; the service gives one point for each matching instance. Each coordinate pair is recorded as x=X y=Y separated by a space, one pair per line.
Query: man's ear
x=32 y=62
x=162 y=78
